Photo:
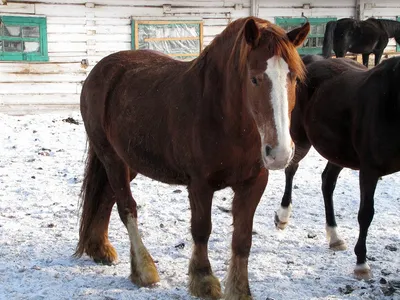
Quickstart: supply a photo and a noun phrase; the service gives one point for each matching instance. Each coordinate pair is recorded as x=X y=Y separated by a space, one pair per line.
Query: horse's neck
x=392 y=28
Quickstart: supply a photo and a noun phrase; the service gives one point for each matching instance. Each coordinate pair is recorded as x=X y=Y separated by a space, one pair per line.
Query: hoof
x=144 y=273
x=339 y=245
x=239 y=297
x=102 y=253
x=363 y=272
x=278 y=223
x=206 y=287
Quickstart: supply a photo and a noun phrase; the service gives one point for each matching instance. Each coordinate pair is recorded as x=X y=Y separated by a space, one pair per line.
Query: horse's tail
x=397 y=38
x=328 y=39
x=95 y=178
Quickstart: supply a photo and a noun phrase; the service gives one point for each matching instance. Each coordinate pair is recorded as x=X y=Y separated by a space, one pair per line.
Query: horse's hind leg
x=365 y=58
x=247 y=197
x=283 y=214
x=368 y=182
x=202 y=282
x=98 y=200
x=143 y=270
x=93 y=237
x=378 y=55
x=329 y=178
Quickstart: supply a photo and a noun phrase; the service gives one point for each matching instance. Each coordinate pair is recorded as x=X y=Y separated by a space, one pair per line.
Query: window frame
x=281 y=21
x=135 y=32
x=42 y=39
x=397 y=45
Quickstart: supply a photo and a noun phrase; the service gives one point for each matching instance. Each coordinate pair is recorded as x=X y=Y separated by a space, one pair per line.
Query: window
x=180 y=39
x=397 y=45
x=23 y=39
x=313 y=43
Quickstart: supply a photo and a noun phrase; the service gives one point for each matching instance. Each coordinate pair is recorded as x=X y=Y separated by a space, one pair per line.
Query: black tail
x=95 y=179
x=328 y=39
x=397 y=38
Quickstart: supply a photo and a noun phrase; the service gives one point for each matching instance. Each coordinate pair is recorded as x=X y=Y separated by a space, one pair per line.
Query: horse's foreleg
x=202 y=282
x=329 y=178
x=368 y=182
x=247 y=196
x=143 y=269
x=283 y=214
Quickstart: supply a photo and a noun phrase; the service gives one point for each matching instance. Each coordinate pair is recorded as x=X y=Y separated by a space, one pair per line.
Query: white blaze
x=277 y=72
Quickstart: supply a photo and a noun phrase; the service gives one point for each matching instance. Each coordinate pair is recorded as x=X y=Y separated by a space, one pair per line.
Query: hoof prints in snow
x=41 y=167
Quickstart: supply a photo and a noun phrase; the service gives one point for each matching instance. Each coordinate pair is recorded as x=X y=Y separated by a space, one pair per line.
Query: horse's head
x=273 y=68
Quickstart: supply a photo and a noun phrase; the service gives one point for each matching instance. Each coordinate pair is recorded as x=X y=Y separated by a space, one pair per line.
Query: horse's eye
x=254 y=81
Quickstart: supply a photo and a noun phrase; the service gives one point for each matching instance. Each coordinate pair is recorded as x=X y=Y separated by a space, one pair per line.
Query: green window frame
x=182 y=39
x=27 y=32
x=397 y=45
x=313 y=43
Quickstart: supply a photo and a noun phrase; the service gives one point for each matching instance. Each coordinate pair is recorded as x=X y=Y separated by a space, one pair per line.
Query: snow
x=41 y=167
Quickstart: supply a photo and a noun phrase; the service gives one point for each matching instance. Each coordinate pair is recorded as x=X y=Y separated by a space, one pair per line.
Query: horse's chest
x=228 y=165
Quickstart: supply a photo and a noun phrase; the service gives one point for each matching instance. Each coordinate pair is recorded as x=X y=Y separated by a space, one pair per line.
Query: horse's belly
x=346 y=157
x=162 y=173
x=153 y=164
x=333 y=142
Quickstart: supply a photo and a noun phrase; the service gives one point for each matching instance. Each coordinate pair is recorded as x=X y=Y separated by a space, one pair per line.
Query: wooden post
x=254 y=5
x=360 y=6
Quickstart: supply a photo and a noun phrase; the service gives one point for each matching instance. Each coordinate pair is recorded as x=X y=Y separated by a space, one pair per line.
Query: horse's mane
x=272 y=35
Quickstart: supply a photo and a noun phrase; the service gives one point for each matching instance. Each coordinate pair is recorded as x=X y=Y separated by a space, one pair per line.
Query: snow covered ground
x=41 y=167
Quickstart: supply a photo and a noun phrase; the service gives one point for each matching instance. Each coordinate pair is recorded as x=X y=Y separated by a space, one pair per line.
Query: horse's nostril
x=268 y=150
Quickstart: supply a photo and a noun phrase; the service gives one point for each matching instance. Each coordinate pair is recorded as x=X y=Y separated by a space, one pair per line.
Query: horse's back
x=126 y=102
x=125 y=78
x=319 y=71
x=310 y=58
x=112 y=69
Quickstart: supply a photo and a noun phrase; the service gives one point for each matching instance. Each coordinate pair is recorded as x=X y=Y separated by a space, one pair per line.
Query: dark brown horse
x=218 y=121
x=351 y=116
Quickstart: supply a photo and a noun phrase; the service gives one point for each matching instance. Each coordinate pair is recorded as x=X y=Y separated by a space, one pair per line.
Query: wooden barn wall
x=80 y=30
x=316 y=8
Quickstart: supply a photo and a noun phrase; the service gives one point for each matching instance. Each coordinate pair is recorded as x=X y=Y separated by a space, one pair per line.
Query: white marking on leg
x=331 y=234
x=362 y=267
x=277 y=71
x=134 y=236
x=284 y=213
x=144 y=271
x=334 y=240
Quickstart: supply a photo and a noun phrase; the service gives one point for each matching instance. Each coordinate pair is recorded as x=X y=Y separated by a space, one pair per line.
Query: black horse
x=365 y=37
x=351 y=116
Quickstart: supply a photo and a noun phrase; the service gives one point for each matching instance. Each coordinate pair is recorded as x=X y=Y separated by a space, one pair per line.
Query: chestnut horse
x=218 y=121
x=350 y=115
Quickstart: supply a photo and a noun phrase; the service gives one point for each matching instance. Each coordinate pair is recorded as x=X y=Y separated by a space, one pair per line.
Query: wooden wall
x=311 y=8
x=79 y=30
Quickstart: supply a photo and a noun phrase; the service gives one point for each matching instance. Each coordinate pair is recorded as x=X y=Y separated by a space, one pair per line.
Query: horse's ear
x=251 y=33
x=298 y=35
